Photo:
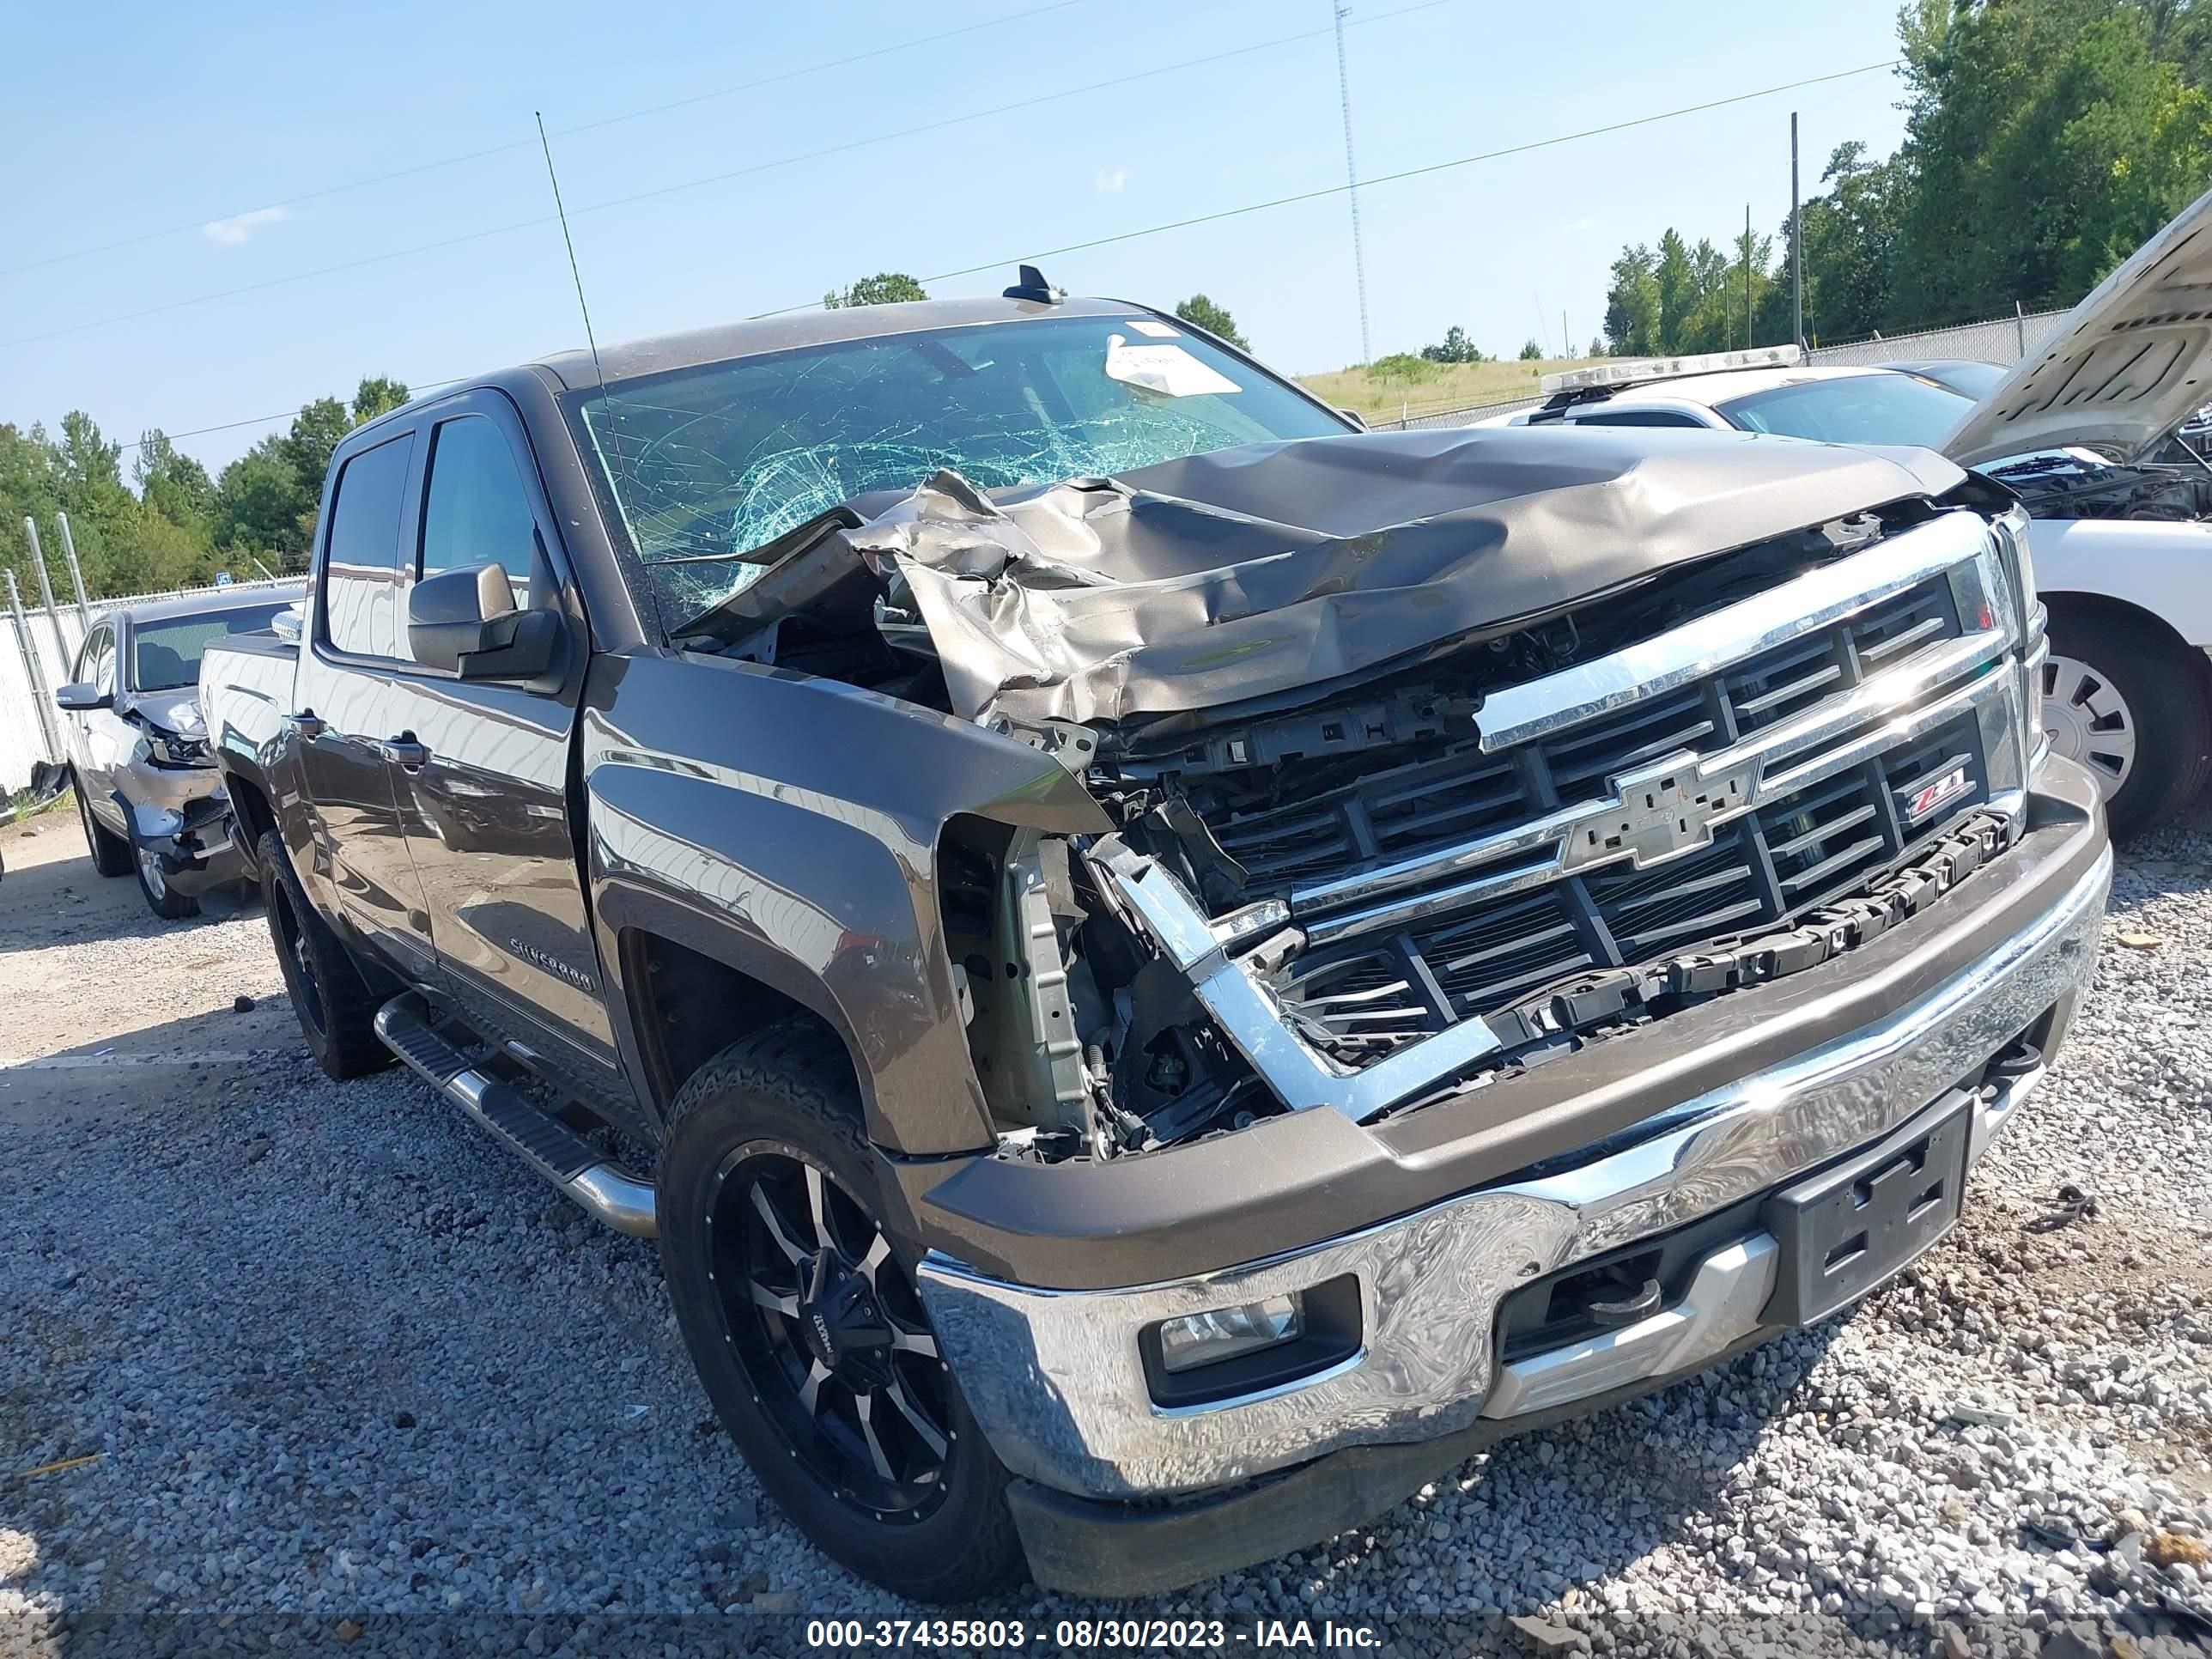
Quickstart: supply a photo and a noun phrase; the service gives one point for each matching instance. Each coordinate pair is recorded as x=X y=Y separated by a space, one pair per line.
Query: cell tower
x=1352 y=178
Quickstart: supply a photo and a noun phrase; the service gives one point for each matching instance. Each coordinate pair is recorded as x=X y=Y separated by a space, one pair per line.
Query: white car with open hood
x=2082 y=431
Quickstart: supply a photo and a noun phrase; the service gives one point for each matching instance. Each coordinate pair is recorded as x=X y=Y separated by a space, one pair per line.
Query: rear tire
x=110 y=853
x=2132 y=705
x=163 y=900
x=329 y=992
x=773 y=1123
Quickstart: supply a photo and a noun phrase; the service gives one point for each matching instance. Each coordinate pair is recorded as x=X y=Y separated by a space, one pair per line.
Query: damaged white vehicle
x=2082 y=431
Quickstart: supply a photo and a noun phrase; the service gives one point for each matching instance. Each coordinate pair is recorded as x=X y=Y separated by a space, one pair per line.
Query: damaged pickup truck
x=1163 y=968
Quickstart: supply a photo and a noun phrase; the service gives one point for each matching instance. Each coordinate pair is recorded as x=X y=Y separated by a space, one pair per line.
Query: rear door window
x=361 y=566
x=89 y=665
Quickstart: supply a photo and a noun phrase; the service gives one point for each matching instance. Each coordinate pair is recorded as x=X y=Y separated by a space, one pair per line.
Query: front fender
x=789 y=826
x=2156 y=565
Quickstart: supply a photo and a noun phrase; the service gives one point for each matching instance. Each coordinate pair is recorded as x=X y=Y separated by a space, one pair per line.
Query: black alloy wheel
x=333 y=998
x=292 y=956
x=796 y=1299
x=830 y=1334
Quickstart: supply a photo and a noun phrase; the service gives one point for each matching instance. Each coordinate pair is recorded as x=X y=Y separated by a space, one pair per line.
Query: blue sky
x=215 y=118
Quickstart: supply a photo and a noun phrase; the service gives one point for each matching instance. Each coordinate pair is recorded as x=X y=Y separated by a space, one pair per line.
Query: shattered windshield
x=709 y=464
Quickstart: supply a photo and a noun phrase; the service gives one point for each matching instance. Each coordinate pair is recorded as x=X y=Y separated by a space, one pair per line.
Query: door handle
x=305 y=724
x=404 y=753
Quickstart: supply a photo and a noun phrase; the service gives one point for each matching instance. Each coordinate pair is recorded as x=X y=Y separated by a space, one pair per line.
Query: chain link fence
x=2001 y=340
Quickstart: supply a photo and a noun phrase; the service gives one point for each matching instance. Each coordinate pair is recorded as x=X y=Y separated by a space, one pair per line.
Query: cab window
x=475 y=509
x=360 y=585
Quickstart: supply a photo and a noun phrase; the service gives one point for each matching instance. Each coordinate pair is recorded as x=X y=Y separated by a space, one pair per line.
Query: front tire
x=2132 y=706
x=330 y=993
x=797 y=1304
x=163 y=900
x=110 y=853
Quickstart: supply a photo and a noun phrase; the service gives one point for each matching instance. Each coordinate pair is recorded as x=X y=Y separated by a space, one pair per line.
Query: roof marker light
x=1629 y=371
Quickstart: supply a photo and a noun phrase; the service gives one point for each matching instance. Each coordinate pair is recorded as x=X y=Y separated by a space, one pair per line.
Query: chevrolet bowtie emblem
x=1659 y=813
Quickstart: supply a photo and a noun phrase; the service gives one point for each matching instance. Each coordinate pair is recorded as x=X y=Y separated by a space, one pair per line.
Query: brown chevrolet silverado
x=1162 y=967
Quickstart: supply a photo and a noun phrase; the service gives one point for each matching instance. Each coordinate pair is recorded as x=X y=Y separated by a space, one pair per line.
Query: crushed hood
x=1257 y=571
x=2126 y=368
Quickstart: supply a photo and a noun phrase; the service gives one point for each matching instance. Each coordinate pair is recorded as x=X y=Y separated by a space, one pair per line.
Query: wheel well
x=2127 y=612
x=254 y=814
x=691 y=1007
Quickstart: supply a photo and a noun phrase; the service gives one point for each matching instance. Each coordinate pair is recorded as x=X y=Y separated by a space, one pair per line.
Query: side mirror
x=465 y=622
x=1355 y=417
x=81 y=699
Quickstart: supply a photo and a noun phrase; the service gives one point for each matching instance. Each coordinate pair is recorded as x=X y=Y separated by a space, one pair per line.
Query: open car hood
x=1263 y=570
x=2129 y=364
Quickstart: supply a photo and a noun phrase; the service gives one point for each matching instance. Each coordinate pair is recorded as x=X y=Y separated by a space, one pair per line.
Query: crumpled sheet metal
x=1260 y=570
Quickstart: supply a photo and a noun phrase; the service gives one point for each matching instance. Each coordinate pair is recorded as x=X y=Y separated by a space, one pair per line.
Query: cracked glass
x=708 y=465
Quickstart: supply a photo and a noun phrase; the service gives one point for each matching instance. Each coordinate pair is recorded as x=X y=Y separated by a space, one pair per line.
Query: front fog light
x=1205 y=1339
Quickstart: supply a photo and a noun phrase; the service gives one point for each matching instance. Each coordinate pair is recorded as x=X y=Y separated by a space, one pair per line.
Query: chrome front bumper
x=1056 y=1380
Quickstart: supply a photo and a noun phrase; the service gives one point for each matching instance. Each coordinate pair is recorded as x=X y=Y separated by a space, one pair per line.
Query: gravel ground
x=286 y=1362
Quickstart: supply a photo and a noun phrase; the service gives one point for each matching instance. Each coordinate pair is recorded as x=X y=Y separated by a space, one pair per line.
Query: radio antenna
x=582 y=305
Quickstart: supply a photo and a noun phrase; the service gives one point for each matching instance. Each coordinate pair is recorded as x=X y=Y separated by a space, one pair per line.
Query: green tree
x=1632 y=304
x=1456 y=349
x=1676 y=281
x=262 y=506
x=171 y=525
x=1850 y=245
x=884 y=289
x=2044 y=141
x=1201 y=312
x=1531 y=352
x=378 y=394
x=173 y=484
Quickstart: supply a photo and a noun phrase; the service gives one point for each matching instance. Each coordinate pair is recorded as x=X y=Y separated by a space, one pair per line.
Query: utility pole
x=1796 y=248
x=1746 y=275
x=76 y=570
x=1352 y=178
x=46 y=591
x=49 y=733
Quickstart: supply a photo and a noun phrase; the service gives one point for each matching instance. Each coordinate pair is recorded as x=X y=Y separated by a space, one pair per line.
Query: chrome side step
x=602 y=1186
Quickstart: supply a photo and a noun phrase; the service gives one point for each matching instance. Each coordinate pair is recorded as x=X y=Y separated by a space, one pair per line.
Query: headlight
x=168 y=749
x=2020 y=567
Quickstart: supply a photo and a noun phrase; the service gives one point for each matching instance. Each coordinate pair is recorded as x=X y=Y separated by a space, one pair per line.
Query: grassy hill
x=1446 y=386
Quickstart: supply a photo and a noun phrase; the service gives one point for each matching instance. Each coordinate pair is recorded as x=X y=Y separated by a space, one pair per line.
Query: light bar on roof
x=1632 y=371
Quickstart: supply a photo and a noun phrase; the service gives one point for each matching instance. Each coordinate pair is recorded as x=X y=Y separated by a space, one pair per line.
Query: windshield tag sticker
x=1167 y=369
x=1146 y=325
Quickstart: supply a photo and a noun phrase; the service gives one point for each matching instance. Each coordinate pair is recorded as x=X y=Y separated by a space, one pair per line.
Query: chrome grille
x=1430 y=946
x=1738 y=798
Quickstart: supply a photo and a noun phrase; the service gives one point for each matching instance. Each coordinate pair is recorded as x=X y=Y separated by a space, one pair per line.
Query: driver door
x=482 y=785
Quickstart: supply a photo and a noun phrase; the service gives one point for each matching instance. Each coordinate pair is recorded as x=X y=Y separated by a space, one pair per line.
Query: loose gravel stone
x=346 y=1368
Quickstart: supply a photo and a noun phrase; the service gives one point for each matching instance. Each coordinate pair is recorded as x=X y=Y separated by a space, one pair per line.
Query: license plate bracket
x=1851 y=1226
